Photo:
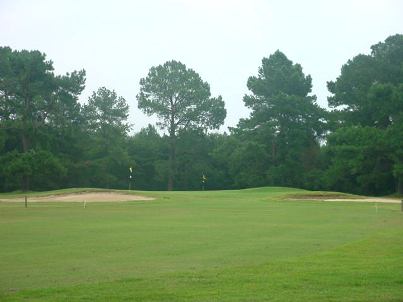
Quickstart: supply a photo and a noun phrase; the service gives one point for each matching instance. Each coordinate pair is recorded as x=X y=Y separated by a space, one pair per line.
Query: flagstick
x=130 y=177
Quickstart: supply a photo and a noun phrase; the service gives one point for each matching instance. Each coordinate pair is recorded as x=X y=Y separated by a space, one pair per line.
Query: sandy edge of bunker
x=81 y=197
x=369 y=199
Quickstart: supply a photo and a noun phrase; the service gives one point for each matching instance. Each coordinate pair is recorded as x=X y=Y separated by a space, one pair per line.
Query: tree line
x=49 y=140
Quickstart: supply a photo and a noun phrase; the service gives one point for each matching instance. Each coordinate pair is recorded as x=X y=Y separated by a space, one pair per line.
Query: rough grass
x=246 y=245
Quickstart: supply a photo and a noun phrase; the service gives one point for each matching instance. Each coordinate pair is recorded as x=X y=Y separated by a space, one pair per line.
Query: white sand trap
x=81 y=197
x=340 y=197
x=374 y=199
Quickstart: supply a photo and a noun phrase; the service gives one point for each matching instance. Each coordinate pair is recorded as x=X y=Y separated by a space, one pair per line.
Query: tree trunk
x=25 y=182
x=25 y=141
x=400 y=185
x=172 y=147
x=26 y=145
x=172 y=162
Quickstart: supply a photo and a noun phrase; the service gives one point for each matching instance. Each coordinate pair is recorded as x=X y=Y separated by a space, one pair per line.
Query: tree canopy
x=368 y=94
x=367 y=90
x=285 y=119
x=32 y=99
x=49 y=140
x=181 y=100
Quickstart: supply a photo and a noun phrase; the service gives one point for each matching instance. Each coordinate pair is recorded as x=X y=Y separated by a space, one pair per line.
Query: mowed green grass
x=248 y=245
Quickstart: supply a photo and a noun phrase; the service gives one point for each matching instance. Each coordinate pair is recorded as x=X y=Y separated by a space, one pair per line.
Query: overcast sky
x=117 y=42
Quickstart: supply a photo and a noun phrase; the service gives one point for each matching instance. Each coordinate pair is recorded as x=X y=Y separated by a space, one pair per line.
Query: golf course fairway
x=241 y=245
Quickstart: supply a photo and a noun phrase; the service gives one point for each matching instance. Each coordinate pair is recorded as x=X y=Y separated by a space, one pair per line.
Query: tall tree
x=180 y=99
x=369 y=94
x=106 y=115
x=284 y=117
x=394 y=137
x=363 y=93
x=31 y=95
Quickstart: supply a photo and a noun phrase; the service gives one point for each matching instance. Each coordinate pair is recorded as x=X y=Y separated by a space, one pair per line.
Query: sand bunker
x=382 y=200
x=340 y=198
x=81 y=197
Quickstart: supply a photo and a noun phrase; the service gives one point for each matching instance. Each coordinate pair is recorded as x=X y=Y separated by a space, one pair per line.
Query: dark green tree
x=363 y=93
x=193 y=156
x=43 y=168
x=106 y=116
x=181 y=100
x=359 y=161
x=394 y=137
x=33 y=99
x=285 y=118
x=368 y=94
x=147 y=150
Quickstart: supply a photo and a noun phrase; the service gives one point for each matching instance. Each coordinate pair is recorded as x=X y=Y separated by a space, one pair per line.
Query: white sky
x=117 y=42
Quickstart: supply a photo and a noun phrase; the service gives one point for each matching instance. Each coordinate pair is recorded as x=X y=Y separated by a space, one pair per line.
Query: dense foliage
x=182 y=101
x=49 y=140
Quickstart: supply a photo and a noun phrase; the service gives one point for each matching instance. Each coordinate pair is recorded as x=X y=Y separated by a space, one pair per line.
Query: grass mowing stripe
x=342 y=274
